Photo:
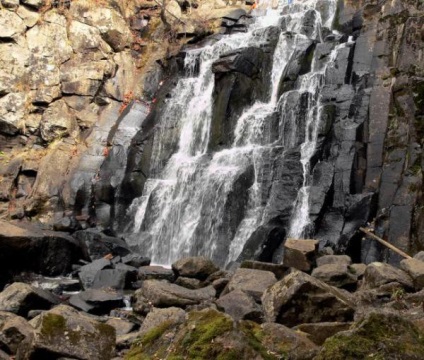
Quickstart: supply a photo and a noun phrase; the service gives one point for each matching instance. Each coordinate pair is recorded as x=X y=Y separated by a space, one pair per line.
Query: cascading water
x=188 y=203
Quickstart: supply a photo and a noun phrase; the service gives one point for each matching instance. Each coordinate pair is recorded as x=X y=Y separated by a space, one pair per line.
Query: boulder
x=300 y=254
x=156 y=317
x=162 y=294
x=197 y=267
x=279 y=270
x=300 y=298
x=67 y=224
x=319 y=332
x=334 y=259
x=419 y=256
x=97 y=301
x=98 y=244
x=188 y=283
x=358 y=270
x=11 y=25
x=378 y=274
x=415 y=269
x=58 y=121
x=135 y=260
x=336 y=274
x=111 y=278
x=252 y=282
x=88 y=273
x=40 y=251
x=19 y=298
x=209 y=333
x=121 y=326
x=246 y=61
x=12 y=113
x=64 y=332
x=155 y=272
x=378 y=335
x=240 y=306
x=13 y=330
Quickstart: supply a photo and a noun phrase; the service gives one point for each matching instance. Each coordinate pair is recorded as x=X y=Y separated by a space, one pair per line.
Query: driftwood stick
x=385 y=243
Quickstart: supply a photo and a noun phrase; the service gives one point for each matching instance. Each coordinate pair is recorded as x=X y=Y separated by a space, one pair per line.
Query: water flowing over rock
x=235 y=140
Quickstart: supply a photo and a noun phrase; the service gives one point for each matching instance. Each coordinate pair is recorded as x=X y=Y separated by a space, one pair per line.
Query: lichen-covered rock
x=378 y=274
x=415 y=269
x=195 y=267
x=240 y=306
x=13 y=330
x=65 y=332
x=336 y=274
x=252 y=282
x=162 y=294
x=319 y=332
x=210 y=334
x=19 y=298
x=58 y=121
x=300 y=298
x=300 y=254
x=377 y=336
x=11 y=25
x=12 y=113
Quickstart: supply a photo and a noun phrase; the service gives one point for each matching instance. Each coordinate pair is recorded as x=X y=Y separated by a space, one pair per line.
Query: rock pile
x=128 y=309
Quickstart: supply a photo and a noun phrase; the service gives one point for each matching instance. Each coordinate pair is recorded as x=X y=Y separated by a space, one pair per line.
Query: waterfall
x=198 y=202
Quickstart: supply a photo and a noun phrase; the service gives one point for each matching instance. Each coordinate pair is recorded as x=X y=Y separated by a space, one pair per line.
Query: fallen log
x=385 y=243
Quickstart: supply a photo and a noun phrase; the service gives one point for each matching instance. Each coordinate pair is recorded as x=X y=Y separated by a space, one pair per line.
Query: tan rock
x=252 y=282
x=58 y=121
x=12 y=113
x=300 y=254
x=50 y=39
x=45 y=94
x=378 y=274
x=11 y=25
x=63 y=330
x=415 y=269
x=87 y=39
x=28 y=16
x=14 y=329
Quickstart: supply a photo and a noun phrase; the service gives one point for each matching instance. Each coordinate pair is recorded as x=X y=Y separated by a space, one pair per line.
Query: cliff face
x=388 y=64
x=68 y=70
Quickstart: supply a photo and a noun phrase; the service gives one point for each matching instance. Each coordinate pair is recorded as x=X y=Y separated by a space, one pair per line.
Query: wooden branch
x=161 y=5
x=385 y=243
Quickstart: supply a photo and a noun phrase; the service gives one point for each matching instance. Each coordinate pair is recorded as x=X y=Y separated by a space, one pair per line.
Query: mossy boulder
x=377 y=336
x=64 y=332
x=209 y=334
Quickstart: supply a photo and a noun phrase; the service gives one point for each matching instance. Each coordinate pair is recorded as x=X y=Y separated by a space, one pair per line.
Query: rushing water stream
x=184 y=207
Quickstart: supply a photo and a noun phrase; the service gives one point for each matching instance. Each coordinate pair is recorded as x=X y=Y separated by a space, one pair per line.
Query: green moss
x=255 y=337
x=203 y=327
x=376 y=337
x=138 y=349
x=53 y=324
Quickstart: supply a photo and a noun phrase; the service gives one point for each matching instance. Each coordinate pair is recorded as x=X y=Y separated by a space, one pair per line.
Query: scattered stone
x=97 y=301
x=64 y=332
x=300 y=254
x=334 y=259
x=156 y=317
x=135 y=260
x=197 y=267
x=278 y=269
x=378 y=274
x=415 y=269
x=240 y=306
x=189 y=283
x=155 y=272
x=336 y=274
x=110 y=278
x=163 y=294
x=121 y=326
x=13 y=330
x=300 y=298
x=378 y=335
x=319 y=332
x=358 y=270
x=19 y=298
x=88 y=272
x=419 y=256
x=252 y=282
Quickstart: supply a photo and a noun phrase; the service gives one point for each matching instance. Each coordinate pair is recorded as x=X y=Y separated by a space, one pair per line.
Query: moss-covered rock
x=377 y=336
x=209 y=334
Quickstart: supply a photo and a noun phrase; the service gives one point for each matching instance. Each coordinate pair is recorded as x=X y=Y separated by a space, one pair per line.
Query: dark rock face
x=33 y=249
